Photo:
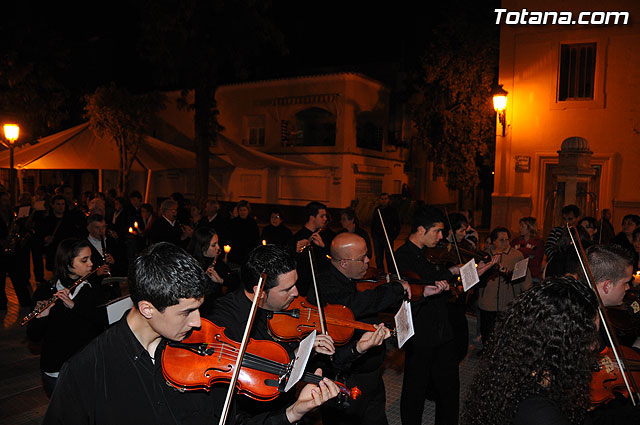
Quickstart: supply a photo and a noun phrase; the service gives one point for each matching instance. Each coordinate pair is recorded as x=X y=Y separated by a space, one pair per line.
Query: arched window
x=369 y=133
x=315 y=127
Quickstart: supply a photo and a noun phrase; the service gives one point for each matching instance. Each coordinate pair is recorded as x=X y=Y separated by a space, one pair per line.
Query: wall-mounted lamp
x=11 y=133
x=500 y=105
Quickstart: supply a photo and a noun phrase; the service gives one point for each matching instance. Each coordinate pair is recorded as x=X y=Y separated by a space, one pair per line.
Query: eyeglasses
x=354 y=259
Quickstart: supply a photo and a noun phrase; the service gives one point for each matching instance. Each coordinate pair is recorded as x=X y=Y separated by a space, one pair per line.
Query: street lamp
x=11 y=133
x=500 y=105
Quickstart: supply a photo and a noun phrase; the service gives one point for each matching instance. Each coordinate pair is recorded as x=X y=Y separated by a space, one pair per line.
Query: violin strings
x=253 y=361
x=314 y=313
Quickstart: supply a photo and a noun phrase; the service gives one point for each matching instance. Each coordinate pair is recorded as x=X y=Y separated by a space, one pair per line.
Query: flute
x=52 y=300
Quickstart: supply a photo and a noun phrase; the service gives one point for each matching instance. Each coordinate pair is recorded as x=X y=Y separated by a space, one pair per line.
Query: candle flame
x=131 y=230
x=264 y=242
x=135 y=224
x=227 y=248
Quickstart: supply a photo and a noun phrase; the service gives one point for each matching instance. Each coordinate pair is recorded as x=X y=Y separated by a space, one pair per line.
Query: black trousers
x=430 y=372
x=381 y=251
x=368 y=409
x=17 y=267
x=487 y=324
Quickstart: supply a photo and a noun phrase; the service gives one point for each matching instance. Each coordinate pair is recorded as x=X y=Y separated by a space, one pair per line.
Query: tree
x=198 y=45
x=115 y=113
x=452 y=109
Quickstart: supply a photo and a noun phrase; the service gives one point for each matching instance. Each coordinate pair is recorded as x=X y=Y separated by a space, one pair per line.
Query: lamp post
x=11 y=133
x=500 y=106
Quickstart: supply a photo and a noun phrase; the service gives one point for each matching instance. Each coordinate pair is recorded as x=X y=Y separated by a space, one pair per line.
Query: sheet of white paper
x=520 y=269
x=39 y=206
x=23 y=212
x=300 y=363
x=469 y=275
x=117 y=308
x=404 y=323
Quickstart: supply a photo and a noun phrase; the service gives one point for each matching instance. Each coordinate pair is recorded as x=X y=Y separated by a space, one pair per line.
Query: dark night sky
x=99 y=43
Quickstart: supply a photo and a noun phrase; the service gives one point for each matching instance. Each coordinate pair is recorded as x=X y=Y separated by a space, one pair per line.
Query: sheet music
x=300 y=363
x=23 y=212
x=469 y=275
x=520 y=269
x=404 y=323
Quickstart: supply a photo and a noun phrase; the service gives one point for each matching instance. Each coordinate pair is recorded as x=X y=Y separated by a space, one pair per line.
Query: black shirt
x=276 y=235
x=430 y=317
x=114 y=381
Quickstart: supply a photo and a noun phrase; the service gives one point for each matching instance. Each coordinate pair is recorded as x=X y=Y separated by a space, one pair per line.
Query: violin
x=416 y=284
x=302 y=318
x=445 y=253
x=207 y=357
x=607 y=378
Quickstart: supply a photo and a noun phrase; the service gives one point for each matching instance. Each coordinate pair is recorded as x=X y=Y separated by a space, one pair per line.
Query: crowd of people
x=540 y=332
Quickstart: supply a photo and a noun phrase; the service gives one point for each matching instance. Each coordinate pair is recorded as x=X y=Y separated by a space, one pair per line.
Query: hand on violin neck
x=430 y=290
x=372 y=339
x=405 y=286
x=311 y=397
x=324 y=345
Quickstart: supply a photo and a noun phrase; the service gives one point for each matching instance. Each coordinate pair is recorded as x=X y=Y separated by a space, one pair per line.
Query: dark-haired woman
x=497 y=289
x=537 y=367
x=72 y=321
x=205 y=248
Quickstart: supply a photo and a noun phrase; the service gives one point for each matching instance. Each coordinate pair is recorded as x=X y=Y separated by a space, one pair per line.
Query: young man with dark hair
x=232 y=311
x=309 y=235
x=118 y=377
x=612 y=269
x=570 y=216
x=431 y=363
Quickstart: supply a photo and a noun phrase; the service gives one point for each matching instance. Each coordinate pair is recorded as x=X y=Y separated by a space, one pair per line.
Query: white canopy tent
x=80 y=148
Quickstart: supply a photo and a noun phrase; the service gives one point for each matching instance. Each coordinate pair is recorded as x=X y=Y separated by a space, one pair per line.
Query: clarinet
x=52 y=300
x=104 y=252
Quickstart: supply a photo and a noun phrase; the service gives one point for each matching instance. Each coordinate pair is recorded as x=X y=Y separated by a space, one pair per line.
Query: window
x=315 y=127
x=368 y=133
x=577 y=71
x=255 y=126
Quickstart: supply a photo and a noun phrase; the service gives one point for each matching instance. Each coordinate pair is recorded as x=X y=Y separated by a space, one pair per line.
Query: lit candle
x=227 y=248
x=264 y=242
x=135 y=224
x=131 y=230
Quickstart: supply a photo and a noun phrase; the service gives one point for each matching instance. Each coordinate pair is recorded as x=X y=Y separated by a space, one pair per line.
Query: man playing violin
x=336 y=285
x=431 y=364
x=232 y=311
x=118 y=378
x=612 y=270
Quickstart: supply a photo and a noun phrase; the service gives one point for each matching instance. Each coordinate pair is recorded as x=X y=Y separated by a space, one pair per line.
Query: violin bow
x=323 y=324
x=453 y=234
x=241 y=350
x=604 y=317
x=393 y=257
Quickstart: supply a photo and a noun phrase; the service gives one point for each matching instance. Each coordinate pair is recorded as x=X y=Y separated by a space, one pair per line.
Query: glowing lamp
x=11 y=132
x=500 y=106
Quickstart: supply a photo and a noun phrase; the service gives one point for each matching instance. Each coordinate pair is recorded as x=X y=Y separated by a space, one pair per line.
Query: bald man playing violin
x=118 y=378
x=232 y=311
x=337 y=285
